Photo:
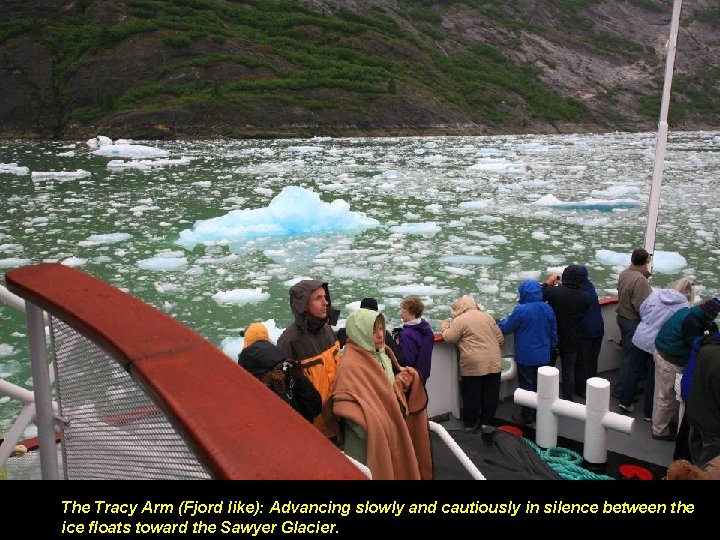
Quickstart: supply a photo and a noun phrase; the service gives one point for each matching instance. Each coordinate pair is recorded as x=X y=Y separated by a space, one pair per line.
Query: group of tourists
x=364 y=387
x=665 y=337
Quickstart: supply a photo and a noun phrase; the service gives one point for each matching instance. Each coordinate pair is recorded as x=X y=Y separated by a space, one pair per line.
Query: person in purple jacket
x=416 y=338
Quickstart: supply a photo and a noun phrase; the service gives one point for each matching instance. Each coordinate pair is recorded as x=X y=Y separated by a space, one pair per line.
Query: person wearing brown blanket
x=382 y=407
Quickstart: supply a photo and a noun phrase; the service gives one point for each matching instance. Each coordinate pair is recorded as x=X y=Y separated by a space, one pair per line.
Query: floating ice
x=163 y=263
x=130 y=151
x=293 y=211
x=13 y=168
x=663 y=262
x=604 y=205
x=470 y=259
x=414 y=288
x=458 y=271
x=14 y=262
x=240 y=296
x=616 y=191
x=427 y=227
x=523 y=275
x=97 y=239
x=482 y=204
x=145 y=164
x=100 y=140
x=62 y=176
x=497 y=165
x=346 y=272
x=74 y=261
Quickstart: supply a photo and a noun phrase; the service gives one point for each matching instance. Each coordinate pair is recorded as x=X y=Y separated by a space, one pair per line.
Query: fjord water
x=480 y=232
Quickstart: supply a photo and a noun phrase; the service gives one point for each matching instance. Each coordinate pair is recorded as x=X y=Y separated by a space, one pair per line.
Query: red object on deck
x=634 y=472
x=512 y=429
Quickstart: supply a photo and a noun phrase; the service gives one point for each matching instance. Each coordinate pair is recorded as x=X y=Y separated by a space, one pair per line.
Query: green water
x=396 y=181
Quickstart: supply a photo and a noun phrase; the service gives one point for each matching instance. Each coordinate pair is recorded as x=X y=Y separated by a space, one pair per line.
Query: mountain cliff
x=247 y=68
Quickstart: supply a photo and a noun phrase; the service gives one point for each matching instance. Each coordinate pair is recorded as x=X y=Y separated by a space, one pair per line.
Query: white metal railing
x=28 y=414
x=11 y=299
x=462 y=457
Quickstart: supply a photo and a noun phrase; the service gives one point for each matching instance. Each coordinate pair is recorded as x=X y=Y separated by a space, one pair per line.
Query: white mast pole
x=660 y=144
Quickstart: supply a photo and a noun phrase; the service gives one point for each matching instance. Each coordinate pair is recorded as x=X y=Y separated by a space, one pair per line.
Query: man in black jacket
x=570 y=304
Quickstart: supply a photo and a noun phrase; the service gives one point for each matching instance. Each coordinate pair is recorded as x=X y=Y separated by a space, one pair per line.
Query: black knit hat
x=711 y=307
x=369 y=303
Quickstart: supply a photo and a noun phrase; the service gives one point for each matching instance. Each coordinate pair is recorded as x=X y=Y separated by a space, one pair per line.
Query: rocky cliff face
x=145 y=68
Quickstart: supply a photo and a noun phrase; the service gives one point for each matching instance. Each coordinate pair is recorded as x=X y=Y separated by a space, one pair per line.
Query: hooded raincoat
x=312 y=343
x=534 y=325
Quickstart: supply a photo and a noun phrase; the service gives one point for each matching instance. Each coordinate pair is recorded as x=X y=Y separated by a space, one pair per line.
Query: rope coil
x=566 y=463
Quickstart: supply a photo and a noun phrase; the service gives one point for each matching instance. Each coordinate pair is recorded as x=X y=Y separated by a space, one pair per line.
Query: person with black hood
x=284 y=377
x=592 y=331
x=311 y=341
x=570 y=305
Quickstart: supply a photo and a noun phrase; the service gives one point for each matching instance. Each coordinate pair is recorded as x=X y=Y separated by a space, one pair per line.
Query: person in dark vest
x=570 y=305
x=592 y=331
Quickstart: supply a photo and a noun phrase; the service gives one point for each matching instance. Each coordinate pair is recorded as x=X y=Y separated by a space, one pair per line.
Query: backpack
x=686 y=380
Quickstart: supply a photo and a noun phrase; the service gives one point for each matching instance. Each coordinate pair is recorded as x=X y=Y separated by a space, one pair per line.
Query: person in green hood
x=367 y=398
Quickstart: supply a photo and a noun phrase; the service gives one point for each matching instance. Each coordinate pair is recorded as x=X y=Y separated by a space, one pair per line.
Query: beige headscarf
x=463 y=304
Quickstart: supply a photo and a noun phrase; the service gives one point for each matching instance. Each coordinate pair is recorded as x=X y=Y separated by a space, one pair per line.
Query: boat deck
x=637 y=448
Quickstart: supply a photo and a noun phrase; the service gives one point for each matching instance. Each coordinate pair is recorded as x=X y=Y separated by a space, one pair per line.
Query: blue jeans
x=627 y=331
x=641 y=364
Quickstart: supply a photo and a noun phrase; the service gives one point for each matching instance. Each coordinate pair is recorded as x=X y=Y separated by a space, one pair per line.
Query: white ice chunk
x=240 y=296
x=427 y=227
x=97 y=239
x=163 y=263
x=13 y=168
x=130 y=151
x=663 y=262
x=294 y=211
x=62 y=176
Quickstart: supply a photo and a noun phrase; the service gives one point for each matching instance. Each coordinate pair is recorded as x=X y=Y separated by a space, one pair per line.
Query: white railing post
x=41 y=386
x=596 y=415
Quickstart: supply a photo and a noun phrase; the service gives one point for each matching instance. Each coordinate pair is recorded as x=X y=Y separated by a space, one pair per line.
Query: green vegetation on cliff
x=154 y=67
